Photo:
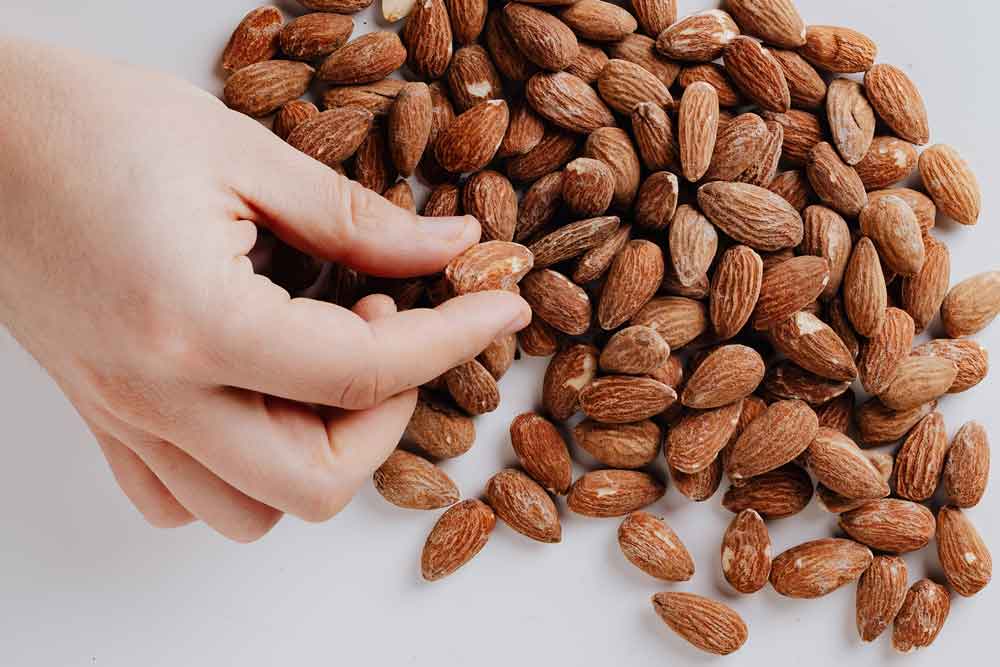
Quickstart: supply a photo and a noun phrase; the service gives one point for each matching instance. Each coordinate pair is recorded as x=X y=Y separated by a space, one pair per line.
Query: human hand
x=131 y=201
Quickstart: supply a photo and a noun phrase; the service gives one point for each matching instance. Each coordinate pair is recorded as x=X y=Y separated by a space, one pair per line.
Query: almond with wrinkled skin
x=541 y=37
x=472 y=78
x=700 y=37
x=365 y=59
x=788 y=287
x=558 y=301
x=656 y=203
x=963 y=555
x=262 y=88
x=802 y=132
x=679 y=320
x=506 y=55
x=621 y=399
x=336 y=6
x=633 y=279
x=412 y=482
x=291 y=115
x=892 y=225
x=806 y=87
x=254 y=40
x=598 y=21
x=881 y=592
x=625 y=446
x=851 y=118
x=880 y=425
x=428 y=37
x=375 y=97
x=473 y=388
x=746 y=553
x=693 y=242
x=777 y=494
x=967 y=466
x=696 y=440
x=524 y=131
x=921 y=458
x=737 y=146
x=613 y=147
x=839 y=464
x=890 y=525
x=373 y=166
x=568 y=102
x=494 y=265
x=835 y=182
x=838 y=50
x=332 y=136
x=728 y=374
x=315 y=35
x=840 y=323
x=716 y=76
x=813 y=345
x=758 y=74
x=921 y=204
x=888 y=161
x=652 y=546
x=951 y=183
x=762 y=170
x=539 y=205
x=611 y=493
x=456 y=538
x=641 y=50
x=787 y=380
x=624 y=85
x=556 y=148
x=438 y=429
x=969 y=356
x=634 y=350
x=704 y=623
x=401 y=194
x=490 y=198
x=825 y=234
x=837 y=504
x=524 y=506
x=654 y=16
x=772 y=440
x=971 y=305
x=774 y=21
x=697 y=127
x=589 y=63
x=751 y=215
x=567 y=374
x=588 y=187
x=468 y=17
x=410 y=122
x=499 y=355
x=671 y=286
x=735 y=288
x=836 y=413
x=882 y=353
x=919 y=621
x=917 y=380
x=472 y=139
x=865 y=296
x=819 y=567
x=572 y=240
x=592 y=264
x=922 y=295
x=443 y=201
x=538 y=339
x=898 y=102
x=699 y=486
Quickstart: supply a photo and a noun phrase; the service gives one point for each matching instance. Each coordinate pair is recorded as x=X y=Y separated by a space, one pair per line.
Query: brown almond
x=494 y=265
x=334 y=135
x=880 y=425
x=438 y=429
x=654 y=16
x=695 y=441
x=473 y=388
x=890 y=525
x=589 y=63
x=538 y=339
x=802 y=132
x=922 y=295
x=697 y=127
x=472 y=78
x=613 y=147
x=789 y=381
x=806 y=87
x=499 y=355
x=315 y=35
x=888 y=161
x=611 y=493
x=409 y=481
x=641 y=50
x=917 y=380
x=837 y=413
x=568 y=102
x=679 y=320
x=620 y=399
x=764 y=167
x=653 y=547
x=892 y=225
x=839 y=464
x=882 y=353
x=772 y=440
x=758 y=74
x=524 y=506
x=864 y=290
x=428 y=37
x=254 y=40
x=291 y=115
x=699 y=486
x=881 y=592
x=969 y=356
x=401 y=194
x=788 y=287
x=524 y=131
x=443 y=201
x=634 y=350
x=716 y=76
x=567 y=374
x=592 y=264
x=727 y=374
x=826 y=234
x=920 y=619
x=775 y=21
x=556 y=148
x=507 y=56
x=967 y=466
x=375 y=97
x=468 y=17
x=693 y=242
x=963 y=555
x=951 y=183
x=598 y=21
x=365 y=59
x=654 y=136
x=971 y=305
x=456 y=538
x=558 y=301
x=921 y=458
x=656 y=203
x=735 y=288
x=539 y=205
x=746 y=552
x=410 y=126
x=851 y=118
x=813 y=345
x=588 y=187
x=839 y=50
x=777 y=494
x=472 y=139
x=751 y=215
x=624 y=85
x=633 y=279
x=819 y=567
x=704 y=623
x=373 y=166
x=262 y=88
x=541 y=37
x=922 y=205
x=835 y=182
x=572 y=240
x=898 y=102
x=700 y=37
x=737 y=147
x=625 y=446
x=490 y=198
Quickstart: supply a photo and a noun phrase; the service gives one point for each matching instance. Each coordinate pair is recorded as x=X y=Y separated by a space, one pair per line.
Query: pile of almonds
x=707 y=219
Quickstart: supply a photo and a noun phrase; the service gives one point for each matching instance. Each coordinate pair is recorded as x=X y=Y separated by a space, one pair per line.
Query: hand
x=130 y=202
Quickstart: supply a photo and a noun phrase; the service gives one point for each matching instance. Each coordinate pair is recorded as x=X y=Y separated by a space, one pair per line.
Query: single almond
x=507 y=56
x=825 y=234
x=757 y=74
x=438 y=429
x=456 y=538
x=951 y=183
x=971 y=305
x=653 y=547
x=701 y=485
x=746 y=552
x=654 y=136
x=625 y=446
x=624 y=85
x=498 y=357
x=569 y=371
x=291 y=115
x=539 y=205
x=813 y=345
x=524 y=131
x=888 y=161
x=919 y=379
x=890 y=525
x=775 y=21
x=538 y=339
x=922 y=205
x=541 y=37
x=473 y=388
x=255 y=39
x=819 y=567
x=611 y=493
x=852 y=119
x=788 y=287
x=428 y=37
x=919 y=621
x=556 y=148
x=881 y=592
x=898 y=102
x=315 y=35
x=700 y=37
x=524 y=506
x=613 y=147
x=697 y=127
x=969 y=356
x=633 y=279
x=802 y=132
x=751 y=215
x=777 y=494
x=489 y=196
x=727 y=374
x=963 y=554
x=409 y=481
x=410 y=120
x=879 y=425
x=882 y=354
x=365 y=59
x=494 y=265
x=922 y=295
x=558 y=301
x=967 y=466
x=588 y=187
x=806 y=87
x=839 y=50
x=572 y=240
x=654 y=16
x=772 y=440
x=261 y=88
x=704 y=623
x=568 y=102
x=593 y=264
x=679 y=320
x=401 y=194
x=836 y=183
x=656 y=203
x=787 y=380
x=695 y=441
x=598 y=21
x=892 y=225
x=920 y=460
x=373 y=165
x=737 y=147
x=472 y=139
x=621 y=399
x=375 y=97
x=641 y=50
x=334 y=135
x=839 y=464
x=864 y=290
x=735 y=289
x=693 y=242
x=634 y=350
x=472 y=78
x=443 y=201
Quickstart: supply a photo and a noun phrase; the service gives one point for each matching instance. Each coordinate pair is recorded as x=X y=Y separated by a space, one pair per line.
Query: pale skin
x=130 y=202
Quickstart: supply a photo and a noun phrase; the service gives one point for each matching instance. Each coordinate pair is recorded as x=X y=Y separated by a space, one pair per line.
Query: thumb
x=312 y=207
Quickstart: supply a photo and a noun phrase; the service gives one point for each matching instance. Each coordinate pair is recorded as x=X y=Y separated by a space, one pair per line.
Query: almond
x=541 y=37
x=772 y=440
x=624 y=85
x=337 y=6
x=964 y=557
x=696 y=440
x=373 y=166
x=632 y=280
x=634 y=350
x=439 y=430
x=969 y=356
x=777 y=494
x=254 y=40
x=917 y=380
x=751 y=215
x=589 y=63
x=538 y=339
x=592 y=264
x=951 y=183
x=443 y=201
x=819 y=567
x=375 y=97
x=697 y=126
x=825 y=234
x=839 y=464
x=588 y=187
x=921 y=458
x=490 y=198
x=315 y=35
x=764 y=167
x=758 y=74
x=332 y=136
x=613 y=147
x=839 y=50
x=456 y=538
x=539 y=205
x=472 y=78
x=472 y=139
x=507 y=56
x=888 y=161
x=641 y=50
x=693 y=242
x=598 y=21
x=555 y=299
x=727 y=374
x=837 y=504
x=789 y=381
x=409 y=481
x=865 y=296
x=679 y=320
x=620 y=399
x=700 y=37
x=401 y=194
x=881 y=591
x=971 y=305
x=567 y=374
x=428 y=37
x=890 y=525
x=572 y=240
x=813 y=345
x=716 y=76
x=788 y=287
x=653 y=547
x=893 y=226
x=410 y=121
x=736 y=286
x=568 y=102
x=837 y=413
x=468 y=17
x=473 y=388
x=774 y=21
x=494 y=265
x=835 y=182
x=654 y=16
x=699 y=486
x=737 y=147
x=499 y=355
x=625 y=446
x=656 y=203
x=610 y=493
x=365 y=59
x=524 y=506
x=882 y=353
x=921 y=204
x=524 y=132
x=898 y=102
x=262 y=88
x=291 y=115
x=746 y=553
x=704 y=623
x=806 y=87
x=802 y=132
x=922 y=295
x=556 y=148
x=967 y=466
x=920 y=619
x=880 y=425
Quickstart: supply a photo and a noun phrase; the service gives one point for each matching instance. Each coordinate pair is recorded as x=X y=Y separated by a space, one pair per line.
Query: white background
x=84 y=581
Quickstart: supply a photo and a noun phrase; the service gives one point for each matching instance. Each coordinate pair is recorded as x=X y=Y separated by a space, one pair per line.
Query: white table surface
x=84 y=581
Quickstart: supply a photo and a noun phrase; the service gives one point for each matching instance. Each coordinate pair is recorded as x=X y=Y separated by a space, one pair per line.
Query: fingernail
x=447 y=229
x=522 y=320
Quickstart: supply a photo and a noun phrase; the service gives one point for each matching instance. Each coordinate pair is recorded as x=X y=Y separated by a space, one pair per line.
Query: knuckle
x=328 y=496
x=255 y=527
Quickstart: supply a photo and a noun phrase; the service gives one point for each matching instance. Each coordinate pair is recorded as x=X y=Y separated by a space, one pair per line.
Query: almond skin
x=468 y=17
x=572 y=240
x=693 y=242
x=568 y=102
x=633 y=279
x=806 y=87
x=737 y=147
x=553 y=297
x=963 y=555
x=498 y=357
x=262 y=88
x=620 y=399
x=593 y=264
x=751 y=215
x=775 y=21
x=489 y=197
x=898 y=102
x=882 y=353
x=892 y=225
x=524 y=506
x=716 y=76
x=291 y=115
x=375 y=97
x=852 y=119
x=758 y=74
x=567 y=374
x=919 y=621
x=456 y=538
x=654 y=136
x=879 y=425
x=625 y=446
x=967 y=466
x=598 y=21
x=695 y=441
x=588 y=187
x=921 y=459
x=538 y=339
x=401 y=194
x=409 y=481
x=922 y=295
x=656 y=204
x=826 y=234
x=838 y=463
x=472 y=78
x=438 y=429
x=788 y=287
x=473 y=388
x=254 y=40
x=613 y=147
x=971 y=305
x=746 y=553
x=679 y=320
x=700 y=37
x=918 y=380
x=315 y=35
x=538 y=205
x=653 y=547
x=736 y=286
x=610 y=493
x=641 y=50
x=524 y=131
x=542 y=452
x=556 y=148
x=802 y=132
x=888 y=161
x=624 y=85
x=819 y=567
x=728 y=374
x=969 y=356
x=777 y=494
x=332 y=136
x=890 y=525
x=951 y=183
x=494 y=265
x=410 y=120
x=699 y=486
x=365 y=59
x=787 y=380
x=589 y=63
x=634 y=350
x=428 y=37
x=865 y=296
x=813 y=345
x=922 y=205
x=706 y=624
x=838 y=50
x=472 y=139
x=772 y=440
x=697 y=127
x=541 y=37
x=836 y=182
x=654 y=16
x=881 y=591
